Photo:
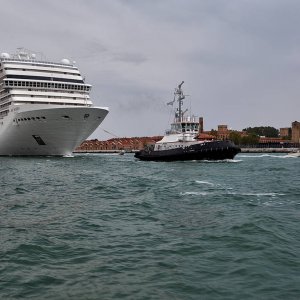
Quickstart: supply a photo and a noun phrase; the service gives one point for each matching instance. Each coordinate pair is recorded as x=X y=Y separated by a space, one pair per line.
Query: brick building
x=285 y=132
x=117 y=144
x=296 y=132
x=223 y=132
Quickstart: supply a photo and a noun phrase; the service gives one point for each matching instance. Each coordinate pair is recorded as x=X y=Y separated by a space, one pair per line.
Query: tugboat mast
x=179 y=93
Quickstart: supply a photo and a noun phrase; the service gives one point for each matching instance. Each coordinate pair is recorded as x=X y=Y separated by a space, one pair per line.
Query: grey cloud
x=240 y=59
x=135 y=58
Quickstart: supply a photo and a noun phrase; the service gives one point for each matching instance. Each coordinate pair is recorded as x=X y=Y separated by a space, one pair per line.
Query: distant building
x=271 y=140
x=117 y=144
x=201 y=125
x=285 y=132
x=223 y=132
x=296 y=132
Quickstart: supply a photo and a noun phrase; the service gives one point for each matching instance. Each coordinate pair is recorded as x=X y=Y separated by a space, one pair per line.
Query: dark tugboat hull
x=215 y=150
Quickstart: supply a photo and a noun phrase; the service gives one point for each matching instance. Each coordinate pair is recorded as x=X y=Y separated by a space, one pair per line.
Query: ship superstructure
x=184 y=128
x=45 y=107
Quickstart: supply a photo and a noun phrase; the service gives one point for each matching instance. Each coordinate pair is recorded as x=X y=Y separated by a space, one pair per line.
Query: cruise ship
x=45 y=107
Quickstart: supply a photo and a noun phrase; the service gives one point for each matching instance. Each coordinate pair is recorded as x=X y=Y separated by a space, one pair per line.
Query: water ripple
x=111 y=227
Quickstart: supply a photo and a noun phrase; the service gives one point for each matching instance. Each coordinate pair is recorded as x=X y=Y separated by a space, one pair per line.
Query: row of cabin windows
x=4 y=113
x=44 y=78
x=52 y=71
x=3 y=99
x=3 y=92
x=29 y=119
x=47 y=103
x=47 y=97
x=190 y=126
x=185 y=127
x=63 y=86
x=159 y=147
x=5 y=105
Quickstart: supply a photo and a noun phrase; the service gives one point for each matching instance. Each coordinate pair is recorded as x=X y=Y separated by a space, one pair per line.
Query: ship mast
x=179 y=93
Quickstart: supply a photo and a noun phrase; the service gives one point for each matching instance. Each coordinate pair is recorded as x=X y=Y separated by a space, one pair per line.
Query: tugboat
x=184 y=140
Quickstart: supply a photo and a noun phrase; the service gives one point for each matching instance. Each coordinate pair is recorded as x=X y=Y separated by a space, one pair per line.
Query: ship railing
x=52 y=64
x=190 y=119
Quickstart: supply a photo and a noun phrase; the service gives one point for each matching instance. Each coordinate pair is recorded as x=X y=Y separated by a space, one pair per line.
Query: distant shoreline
x=105 y=151
x=243 y=150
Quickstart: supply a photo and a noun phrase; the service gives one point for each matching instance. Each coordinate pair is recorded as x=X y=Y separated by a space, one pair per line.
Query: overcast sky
x=240 y=59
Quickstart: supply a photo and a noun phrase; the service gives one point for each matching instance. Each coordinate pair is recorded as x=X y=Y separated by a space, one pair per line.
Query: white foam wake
x=195 y=193
x=271 y=194
x=205 y=182
x=264 y=155
x=220 y=161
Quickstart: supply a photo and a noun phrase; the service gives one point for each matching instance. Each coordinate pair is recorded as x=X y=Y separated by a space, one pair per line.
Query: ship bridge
x=188 y=124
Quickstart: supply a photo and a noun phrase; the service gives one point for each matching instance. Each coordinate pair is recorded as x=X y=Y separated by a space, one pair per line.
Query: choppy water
x=111 y=227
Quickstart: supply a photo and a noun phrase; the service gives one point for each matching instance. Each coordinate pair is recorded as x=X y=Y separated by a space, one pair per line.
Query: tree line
x=238 y=139
x=253 y=134
x=266 y=131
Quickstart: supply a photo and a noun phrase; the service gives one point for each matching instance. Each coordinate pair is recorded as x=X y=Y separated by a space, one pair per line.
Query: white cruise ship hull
x=54 y=130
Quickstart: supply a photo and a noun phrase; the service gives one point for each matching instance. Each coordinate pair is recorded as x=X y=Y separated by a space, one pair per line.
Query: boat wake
x=220 y=161
x=195 y=193
x=228 y=192
x=289 y=156
x=271 y=194
x=210 y=185
x=265 y=155
x=205 y=182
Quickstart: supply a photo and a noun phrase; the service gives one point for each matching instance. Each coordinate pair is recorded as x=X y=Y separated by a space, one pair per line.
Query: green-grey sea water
x=97 y=226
